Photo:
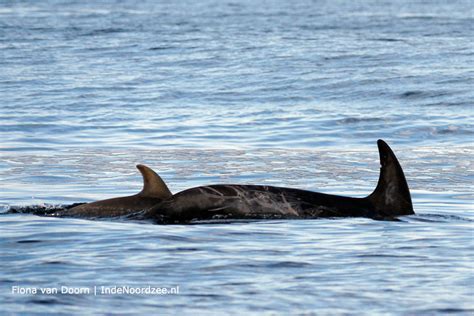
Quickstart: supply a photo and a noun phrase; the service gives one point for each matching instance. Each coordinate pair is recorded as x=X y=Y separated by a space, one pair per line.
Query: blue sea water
x=287 y=93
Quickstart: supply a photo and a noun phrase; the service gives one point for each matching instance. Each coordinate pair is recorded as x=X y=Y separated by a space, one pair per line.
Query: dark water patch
x=387 y=39
x=184 y=249
x=320 y=27
x=214 y=268
x=382 y=256
x=177 y=238
x=421 y=17
x=412 y=94
x=40 y=303
x=289 y=264
x=31 y=241
x=425 y=94
x=105 y=31
x=448 y=104
x=162 y=47
x=46 y=301
x=455 y=130
x=26 y=149
x=3 y=281
x=463 y=311
x=55 y=262
x=207 y=296
x=236 y=283
x=355 y=120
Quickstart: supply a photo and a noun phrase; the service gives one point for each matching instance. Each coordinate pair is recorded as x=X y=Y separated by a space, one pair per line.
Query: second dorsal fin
x=153 y=185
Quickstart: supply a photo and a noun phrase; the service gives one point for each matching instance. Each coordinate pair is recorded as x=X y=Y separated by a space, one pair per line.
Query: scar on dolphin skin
x=154 y=191
x=391 y=198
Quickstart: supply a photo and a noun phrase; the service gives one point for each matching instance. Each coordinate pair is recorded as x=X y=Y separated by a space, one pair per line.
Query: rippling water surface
x=287 y=93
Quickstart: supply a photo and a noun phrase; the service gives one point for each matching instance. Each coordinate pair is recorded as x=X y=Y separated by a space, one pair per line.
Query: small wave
x=288 y=264
x=105 y=31
x=449 y=104
x=391 y=256
x=418 y=94
x=453 y=310
x=355 y=120
x=161 y=48
x=388 y=40
x=454 y=130
x=439 y=218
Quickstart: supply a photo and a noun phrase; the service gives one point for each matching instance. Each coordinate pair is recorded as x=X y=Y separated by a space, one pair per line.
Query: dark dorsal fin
x=392 y=195
x=153 y=185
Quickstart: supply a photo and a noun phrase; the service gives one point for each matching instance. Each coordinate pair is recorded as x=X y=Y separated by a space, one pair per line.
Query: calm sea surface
x=287 y=93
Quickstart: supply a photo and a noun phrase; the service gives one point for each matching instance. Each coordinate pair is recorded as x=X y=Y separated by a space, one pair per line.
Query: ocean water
x=286 y=93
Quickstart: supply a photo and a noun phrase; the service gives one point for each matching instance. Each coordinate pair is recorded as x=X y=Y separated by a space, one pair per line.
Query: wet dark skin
x=391 y=198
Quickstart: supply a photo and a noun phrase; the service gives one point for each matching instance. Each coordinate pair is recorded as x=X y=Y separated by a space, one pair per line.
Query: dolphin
x=391 y=198
x=154 y=191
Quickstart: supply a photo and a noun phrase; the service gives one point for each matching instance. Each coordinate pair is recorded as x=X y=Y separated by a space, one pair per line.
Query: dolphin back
x=154 y=191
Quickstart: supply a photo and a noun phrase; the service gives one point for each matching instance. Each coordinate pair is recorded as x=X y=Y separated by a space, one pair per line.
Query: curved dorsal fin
x=391 y=196
x=153 y=185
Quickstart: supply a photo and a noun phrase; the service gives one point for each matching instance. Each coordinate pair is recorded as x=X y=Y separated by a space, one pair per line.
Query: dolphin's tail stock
x=391 y=197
